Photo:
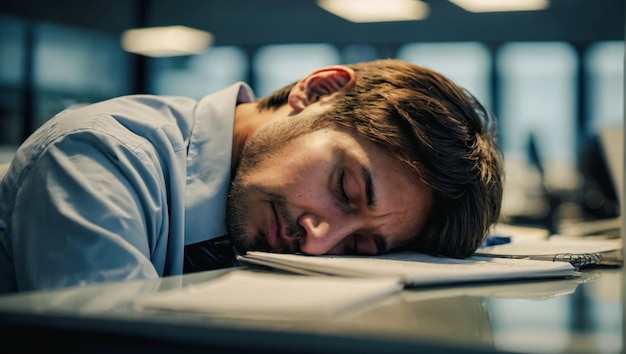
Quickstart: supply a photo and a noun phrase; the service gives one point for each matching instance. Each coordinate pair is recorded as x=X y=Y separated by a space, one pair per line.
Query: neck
x=248 y=120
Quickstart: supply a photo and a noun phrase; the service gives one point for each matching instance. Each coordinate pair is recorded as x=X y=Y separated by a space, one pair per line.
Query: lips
x=274 y=238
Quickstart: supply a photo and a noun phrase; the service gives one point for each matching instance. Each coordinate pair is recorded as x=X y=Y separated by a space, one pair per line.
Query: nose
x=324 y=235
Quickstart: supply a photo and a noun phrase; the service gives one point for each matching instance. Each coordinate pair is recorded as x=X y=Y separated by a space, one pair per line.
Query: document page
x=258 y=295
x=553 y=245
x=578 y=250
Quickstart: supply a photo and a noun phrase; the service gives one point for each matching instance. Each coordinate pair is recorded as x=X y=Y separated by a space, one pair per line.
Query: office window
x=199 y=75
x=75 y=66
x=604 y=66
x=278 y=65
x=467 y=64
x=538 y=93
x=358 y=52
x=12 y=33
x=12 y=50
x=79 y=60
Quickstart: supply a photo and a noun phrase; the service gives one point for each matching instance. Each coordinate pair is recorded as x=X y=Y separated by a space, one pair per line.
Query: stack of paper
x=415 y=269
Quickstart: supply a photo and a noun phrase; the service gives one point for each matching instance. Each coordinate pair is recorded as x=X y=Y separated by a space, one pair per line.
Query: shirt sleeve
x=89 y=209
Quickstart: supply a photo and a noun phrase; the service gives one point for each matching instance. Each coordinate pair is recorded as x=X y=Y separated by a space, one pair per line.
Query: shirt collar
x=209 y=163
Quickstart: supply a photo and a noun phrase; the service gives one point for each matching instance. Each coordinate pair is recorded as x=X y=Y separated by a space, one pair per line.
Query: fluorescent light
x=376 y=10
x=501 y=5
x=166 y=41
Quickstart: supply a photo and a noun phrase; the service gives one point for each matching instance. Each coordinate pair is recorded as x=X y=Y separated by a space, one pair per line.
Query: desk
x=550 y=316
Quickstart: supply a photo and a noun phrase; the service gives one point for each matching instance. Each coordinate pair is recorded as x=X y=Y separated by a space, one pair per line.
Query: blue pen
x=496 y=240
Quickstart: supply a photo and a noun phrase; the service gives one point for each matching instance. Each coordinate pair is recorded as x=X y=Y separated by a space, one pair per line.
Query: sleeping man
x=365 y=158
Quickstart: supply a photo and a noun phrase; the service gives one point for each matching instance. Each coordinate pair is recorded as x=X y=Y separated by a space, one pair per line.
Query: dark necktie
x=211 y=254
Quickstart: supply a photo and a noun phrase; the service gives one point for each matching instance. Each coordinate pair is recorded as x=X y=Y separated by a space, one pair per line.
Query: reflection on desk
x=577 y=315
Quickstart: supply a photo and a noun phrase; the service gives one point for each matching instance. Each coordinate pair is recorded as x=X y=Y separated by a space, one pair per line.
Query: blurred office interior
x=552 y=75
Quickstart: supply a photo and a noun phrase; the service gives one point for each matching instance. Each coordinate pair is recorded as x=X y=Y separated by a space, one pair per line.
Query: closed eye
x=341 y=192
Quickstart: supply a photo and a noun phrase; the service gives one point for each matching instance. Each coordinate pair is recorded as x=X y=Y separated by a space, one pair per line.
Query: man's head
x=373 y=156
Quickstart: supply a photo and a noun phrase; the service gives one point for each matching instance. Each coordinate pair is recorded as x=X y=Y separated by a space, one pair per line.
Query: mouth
x=274 y=236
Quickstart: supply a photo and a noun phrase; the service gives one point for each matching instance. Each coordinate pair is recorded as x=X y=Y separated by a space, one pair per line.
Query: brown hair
x=441 y=132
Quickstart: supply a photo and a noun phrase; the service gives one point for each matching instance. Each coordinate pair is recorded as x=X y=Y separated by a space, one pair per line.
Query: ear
x=321 y=84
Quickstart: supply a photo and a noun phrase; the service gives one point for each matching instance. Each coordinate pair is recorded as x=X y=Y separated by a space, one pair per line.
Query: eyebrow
x=369 y=187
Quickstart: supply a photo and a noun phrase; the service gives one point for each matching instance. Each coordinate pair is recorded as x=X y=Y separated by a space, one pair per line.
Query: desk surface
x=581 y=315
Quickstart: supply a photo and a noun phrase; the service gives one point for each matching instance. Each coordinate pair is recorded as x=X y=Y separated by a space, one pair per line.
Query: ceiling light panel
x=501 y=5
x=376 y=10
x=166 y=41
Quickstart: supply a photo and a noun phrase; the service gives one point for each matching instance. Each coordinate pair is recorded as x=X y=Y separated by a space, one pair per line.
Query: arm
x=88 y=209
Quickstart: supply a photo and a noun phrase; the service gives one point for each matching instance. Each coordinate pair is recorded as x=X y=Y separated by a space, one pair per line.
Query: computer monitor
x=612 y=146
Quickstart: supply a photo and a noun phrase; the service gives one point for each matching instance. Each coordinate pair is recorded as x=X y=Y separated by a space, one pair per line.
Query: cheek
x=306 y=176
x=306 y=183
x=300 y=167
x=294 y=173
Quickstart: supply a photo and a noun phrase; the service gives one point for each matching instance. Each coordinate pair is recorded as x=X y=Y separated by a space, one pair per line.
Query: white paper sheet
x=256 y=295
x=553 y=245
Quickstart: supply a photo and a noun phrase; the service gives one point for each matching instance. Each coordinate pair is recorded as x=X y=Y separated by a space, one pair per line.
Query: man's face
x=327 y=191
